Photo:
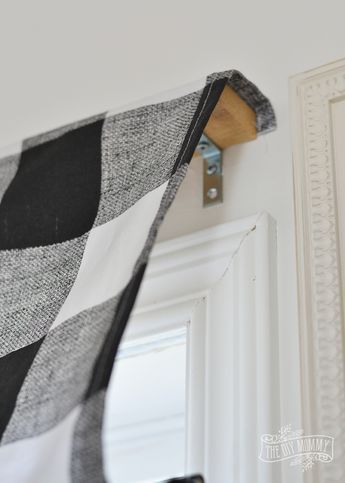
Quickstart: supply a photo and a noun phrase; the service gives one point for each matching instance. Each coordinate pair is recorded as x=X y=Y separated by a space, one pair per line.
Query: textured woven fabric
x=80 y=208
x=87 y=442
x=34 y=284
x=60 y=371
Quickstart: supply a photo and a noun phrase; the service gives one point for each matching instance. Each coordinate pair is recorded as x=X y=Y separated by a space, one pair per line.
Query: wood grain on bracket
x=232 y=121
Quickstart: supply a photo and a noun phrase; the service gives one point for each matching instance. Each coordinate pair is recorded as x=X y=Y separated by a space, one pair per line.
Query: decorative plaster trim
x=319 y=271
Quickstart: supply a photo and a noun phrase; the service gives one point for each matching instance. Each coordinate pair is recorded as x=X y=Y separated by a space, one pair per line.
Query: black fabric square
x=13 y=370
x=55 y=193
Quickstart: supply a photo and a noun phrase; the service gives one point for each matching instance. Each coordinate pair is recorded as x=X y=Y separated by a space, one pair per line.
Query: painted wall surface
x=61 y=61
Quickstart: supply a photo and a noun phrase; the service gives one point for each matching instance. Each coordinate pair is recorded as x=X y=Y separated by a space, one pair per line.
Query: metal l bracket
x=213 y=174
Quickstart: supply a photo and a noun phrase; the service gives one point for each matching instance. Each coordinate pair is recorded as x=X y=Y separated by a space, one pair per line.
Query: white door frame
x=314 y=96
x=222 y=283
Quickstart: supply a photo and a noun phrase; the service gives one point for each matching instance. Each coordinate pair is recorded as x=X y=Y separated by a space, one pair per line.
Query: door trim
x=222 y=283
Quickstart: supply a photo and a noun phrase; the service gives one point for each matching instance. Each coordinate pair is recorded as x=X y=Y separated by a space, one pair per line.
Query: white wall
x=65 y=60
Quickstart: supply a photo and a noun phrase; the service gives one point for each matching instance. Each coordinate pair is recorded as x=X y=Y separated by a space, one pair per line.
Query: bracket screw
x=203 y=145
x=211 y=169
x=212 y=193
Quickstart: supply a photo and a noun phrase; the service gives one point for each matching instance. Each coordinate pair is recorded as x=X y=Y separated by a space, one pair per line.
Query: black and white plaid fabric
x=80 y=207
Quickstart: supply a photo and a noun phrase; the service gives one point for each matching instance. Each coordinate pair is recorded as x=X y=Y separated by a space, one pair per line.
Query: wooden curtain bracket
x=232 y=122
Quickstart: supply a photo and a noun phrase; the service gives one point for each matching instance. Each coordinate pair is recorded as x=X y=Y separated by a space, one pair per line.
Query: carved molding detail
x=320 y=286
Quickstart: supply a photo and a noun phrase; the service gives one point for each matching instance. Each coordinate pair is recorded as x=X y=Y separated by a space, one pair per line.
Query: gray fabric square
x=168 y=197
x=87 y=458
x=139 y=150
x=34 y=285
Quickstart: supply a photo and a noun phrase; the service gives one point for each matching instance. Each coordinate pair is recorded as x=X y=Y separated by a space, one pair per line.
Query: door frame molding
x=321 y=293
x=222 y=283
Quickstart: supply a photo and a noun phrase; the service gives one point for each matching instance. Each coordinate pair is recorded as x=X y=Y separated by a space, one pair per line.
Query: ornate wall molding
x=321 y=293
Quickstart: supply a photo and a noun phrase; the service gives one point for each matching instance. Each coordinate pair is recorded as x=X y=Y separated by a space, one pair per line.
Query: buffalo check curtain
x=80 y=207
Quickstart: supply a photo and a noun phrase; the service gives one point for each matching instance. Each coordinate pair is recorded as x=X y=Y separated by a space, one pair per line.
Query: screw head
x=211 y=169
x=203 y=145
x=212 y=193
